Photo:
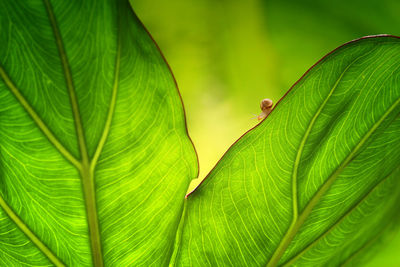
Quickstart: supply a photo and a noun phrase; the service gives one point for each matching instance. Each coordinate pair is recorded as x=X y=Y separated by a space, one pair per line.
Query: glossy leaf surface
x=91 y=130
x=317 y=180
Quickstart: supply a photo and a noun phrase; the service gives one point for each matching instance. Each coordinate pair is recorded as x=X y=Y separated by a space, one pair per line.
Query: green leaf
x=317 y=180
x=94 y=153
x=95 y=157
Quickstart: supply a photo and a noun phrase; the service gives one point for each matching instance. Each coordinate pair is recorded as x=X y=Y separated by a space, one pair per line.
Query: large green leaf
x=317 y=180
x=95 y=157
x=91 y=130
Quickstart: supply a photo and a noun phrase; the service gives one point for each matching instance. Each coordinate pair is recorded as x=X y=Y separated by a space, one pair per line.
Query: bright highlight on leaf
x=95 y=158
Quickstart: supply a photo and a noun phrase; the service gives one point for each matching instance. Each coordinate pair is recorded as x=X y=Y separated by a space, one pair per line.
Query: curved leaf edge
x=189 y=193
x=195 y=186
x=178 y=232
x=176 y=85
x=9 y=211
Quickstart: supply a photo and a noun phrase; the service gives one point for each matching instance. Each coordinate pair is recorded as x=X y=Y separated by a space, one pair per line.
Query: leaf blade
x=267 y=156
x=37 y=119
x=130 y=114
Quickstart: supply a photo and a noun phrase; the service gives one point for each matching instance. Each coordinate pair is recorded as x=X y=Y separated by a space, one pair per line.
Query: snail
x=266 y=108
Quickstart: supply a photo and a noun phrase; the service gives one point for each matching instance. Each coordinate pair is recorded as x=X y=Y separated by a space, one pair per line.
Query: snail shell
x=266 y=108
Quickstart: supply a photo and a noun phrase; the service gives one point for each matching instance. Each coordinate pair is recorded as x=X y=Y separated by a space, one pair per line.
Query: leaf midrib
x=283 y=244
x=305 y=138
x=87 y=177
x=69 y=82
x=318 y=195
x=85 y=166
x=299 y=220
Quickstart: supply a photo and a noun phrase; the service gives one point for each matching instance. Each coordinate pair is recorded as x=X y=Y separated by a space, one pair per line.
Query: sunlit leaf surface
x=95 y=158
x=317 y=180
x=91 y=130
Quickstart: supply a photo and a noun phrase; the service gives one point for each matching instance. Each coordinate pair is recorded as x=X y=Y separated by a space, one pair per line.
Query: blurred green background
x=227 y=55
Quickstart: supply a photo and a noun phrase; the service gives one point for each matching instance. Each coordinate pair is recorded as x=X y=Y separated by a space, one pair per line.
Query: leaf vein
x=111 y=108
x=86 y=176
x=341 y=219
x=298 y=221
x=25 y=229
x=36 y=118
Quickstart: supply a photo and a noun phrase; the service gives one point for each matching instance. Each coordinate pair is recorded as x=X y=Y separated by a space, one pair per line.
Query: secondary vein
x=36 y=118
x=290 y=234
x=25 y=229
x=111 y=108
x=285 y=240
x=340 y=220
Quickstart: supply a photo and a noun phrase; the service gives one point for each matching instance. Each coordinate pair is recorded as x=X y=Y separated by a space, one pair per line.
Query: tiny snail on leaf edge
x=266 y=108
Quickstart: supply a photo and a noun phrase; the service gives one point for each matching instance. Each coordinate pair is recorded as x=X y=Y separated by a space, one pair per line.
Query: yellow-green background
x=227 y=55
